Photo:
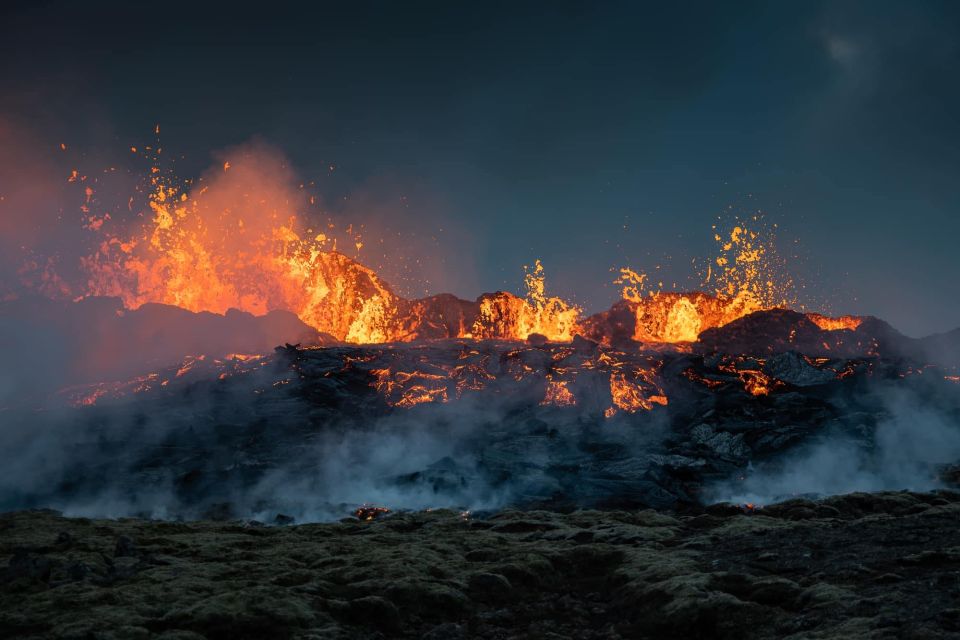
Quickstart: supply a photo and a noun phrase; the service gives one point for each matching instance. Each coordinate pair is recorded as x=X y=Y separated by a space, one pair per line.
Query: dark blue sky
x=589 y=135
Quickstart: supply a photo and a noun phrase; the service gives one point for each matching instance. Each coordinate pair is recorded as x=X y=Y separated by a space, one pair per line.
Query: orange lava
x=839 y=323
x=558 y=394
x=629 y=396
x=237 y=238
x=747 y=275
x=238 y=242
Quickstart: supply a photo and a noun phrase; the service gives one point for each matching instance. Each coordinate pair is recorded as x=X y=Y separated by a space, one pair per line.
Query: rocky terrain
x=883 y=565
x=314 y=432
x=499 y=489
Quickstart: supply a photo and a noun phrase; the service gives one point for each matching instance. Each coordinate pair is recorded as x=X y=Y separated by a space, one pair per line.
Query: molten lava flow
x=553 y=375
x=238 y=243
x=749 y=370
x=628 y=395
x=683 y=322
x=839 y=323
x=505 y=316
x=192 y=368
x=237 y=238
x=746 y=276
x=406 y=389
x=756 y=383
x=368 y=513
x=558 y=394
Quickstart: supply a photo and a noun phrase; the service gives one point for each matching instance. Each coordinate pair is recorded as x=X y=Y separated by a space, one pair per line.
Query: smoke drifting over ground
x=313 y=435
x=907 y=449
x=216 y=453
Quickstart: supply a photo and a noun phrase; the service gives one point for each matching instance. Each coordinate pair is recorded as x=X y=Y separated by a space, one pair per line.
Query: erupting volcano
x=238 y=239
x=237 y=244
x=461 y=321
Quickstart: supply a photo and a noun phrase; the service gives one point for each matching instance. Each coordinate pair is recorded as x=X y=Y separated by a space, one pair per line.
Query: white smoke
x=904 y=451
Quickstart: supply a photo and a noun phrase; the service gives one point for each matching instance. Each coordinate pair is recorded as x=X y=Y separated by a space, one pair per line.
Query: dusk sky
x=589 y=135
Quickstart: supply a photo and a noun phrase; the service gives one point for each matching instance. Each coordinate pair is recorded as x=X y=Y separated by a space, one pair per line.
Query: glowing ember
x=629 y=396
x=368 y=513
x=558 y=394
x=839 y=323
x=756 y=383
x=406 y=389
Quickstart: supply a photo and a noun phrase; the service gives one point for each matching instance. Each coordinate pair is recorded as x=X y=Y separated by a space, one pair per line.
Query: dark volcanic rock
x=768 y=332
x=479 y=424
x=793 y=368
x=118 y=344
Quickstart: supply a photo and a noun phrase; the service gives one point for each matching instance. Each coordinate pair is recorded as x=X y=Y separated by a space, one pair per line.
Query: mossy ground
x=857 y=566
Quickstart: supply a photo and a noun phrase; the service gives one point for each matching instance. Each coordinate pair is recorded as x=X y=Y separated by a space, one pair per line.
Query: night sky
x=590 y=135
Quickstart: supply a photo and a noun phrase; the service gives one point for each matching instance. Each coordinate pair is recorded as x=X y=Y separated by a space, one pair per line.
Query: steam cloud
x=211 y=448
x=905 y=451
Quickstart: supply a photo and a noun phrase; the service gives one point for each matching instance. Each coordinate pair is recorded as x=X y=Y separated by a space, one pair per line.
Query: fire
x=747 y=275
x=839 y=323
x=368 y=513
x=238 y=238
x=238 y=243
x=505 y=316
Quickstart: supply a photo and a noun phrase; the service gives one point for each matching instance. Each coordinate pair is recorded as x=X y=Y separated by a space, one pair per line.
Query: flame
x=237 y=238
x=368 y=512
x=839 y=323
x=747 y=275
x=238 y=243
x=503 y=315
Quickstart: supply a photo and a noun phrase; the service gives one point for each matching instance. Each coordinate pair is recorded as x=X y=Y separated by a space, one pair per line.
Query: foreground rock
x=862 y=565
